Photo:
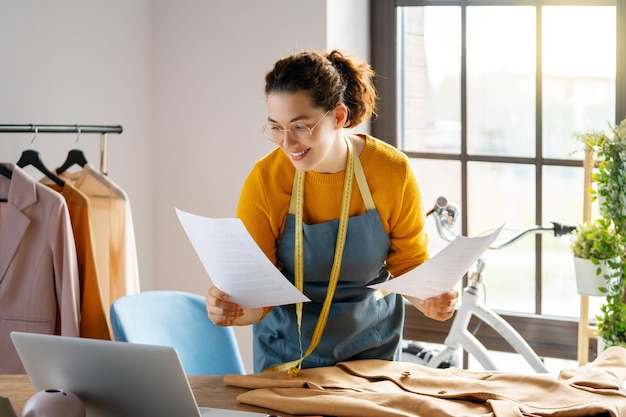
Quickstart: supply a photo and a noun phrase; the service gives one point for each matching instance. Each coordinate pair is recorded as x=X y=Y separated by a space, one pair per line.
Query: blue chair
x=177 y=319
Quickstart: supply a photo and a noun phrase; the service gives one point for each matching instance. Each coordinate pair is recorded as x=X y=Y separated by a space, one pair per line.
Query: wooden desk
x=210 y=391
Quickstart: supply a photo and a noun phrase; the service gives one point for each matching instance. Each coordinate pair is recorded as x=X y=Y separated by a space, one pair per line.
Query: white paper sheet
x=236 y=264
x=440 y=273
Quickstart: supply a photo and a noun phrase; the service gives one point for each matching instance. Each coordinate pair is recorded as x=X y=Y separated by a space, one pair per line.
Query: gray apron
x=360 y=325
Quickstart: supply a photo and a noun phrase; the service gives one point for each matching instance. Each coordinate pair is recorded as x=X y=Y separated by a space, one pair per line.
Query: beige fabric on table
x=375 y=388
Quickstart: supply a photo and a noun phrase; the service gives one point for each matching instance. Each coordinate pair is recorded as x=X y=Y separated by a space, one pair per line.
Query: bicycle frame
x=459 y=336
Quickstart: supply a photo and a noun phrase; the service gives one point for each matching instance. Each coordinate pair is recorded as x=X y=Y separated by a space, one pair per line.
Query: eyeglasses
x=298 y=131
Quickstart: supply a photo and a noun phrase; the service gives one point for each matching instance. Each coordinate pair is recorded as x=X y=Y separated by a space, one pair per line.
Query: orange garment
x=266 y=193
x=93 y=322
x=376 y=388
x=113 y=232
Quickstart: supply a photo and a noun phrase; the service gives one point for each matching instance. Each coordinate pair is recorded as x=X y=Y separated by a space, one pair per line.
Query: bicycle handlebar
x=559 y=229
x=447 y=213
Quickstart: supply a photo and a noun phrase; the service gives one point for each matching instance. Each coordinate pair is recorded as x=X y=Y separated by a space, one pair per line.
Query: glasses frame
x=285 y=131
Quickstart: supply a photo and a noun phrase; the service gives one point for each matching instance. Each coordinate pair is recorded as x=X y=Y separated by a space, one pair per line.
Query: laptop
x=113 y=379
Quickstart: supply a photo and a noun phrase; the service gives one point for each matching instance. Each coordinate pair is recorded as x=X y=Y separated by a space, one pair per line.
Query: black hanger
x=74 y=157
x=31 y=157
x=5 y=172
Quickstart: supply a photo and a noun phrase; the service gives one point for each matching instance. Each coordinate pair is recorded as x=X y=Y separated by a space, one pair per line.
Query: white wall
x=85 y=62
x=184 y=78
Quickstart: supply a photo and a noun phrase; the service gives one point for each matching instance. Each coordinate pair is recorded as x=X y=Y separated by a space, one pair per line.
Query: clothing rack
x=103 y=130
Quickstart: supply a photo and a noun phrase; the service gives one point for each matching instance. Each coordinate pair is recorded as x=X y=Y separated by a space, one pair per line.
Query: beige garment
x=113 y=231
x=375 y=388
x=39 y=290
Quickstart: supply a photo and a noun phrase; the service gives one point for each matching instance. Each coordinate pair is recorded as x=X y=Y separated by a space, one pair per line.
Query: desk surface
x=210 y=391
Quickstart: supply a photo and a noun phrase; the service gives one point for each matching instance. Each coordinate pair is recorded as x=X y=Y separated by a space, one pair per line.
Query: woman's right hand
x=223 y=312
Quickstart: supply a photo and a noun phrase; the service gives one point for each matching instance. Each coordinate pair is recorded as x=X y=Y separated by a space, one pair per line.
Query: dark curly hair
x=330 y=79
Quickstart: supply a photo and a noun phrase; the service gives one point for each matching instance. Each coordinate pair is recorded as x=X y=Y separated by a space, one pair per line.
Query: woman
x=336 y=213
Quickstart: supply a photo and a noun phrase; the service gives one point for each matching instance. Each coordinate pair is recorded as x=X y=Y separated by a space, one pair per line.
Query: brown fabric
x=380 y=388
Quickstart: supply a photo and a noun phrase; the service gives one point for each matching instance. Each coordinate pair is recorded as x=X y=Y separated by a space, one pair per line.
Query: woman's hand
x=439 y=308
x=223 y=312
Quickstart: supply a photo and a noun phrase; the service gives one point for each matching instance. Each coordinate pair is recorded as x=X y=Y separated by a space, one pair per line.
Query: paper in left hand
x=236 y=264
x=440 y=273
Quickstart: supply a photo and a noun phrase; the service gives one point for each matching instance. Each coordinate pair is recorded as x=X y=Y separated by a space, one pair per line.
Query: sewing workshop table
x=210 y=391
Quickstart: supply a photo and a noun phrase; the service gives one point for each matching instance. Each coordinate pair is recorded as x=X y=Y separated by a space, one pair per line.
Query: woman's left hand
x=439 y=308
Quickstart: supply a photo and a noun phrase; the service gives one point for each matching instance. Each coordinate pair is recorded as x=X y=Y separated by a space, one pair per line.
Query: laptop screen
x=113 y=379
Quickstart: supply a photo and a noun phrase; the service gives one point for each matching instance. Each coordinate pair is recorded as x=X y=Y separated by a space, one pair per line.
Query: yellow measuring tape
x=293 y=367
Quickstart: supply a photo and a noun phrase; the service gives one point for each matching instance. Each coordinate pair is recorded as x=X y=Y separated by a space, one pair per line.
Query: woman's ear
x=341 y=115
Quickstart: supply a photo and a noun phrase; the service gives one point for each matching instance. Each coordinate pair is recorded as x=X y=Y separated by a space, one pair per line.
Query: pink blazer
x=39 y=289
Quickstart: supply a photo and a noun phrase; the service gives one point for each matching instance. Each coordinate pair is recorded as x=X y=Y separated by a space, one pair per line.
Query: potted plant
x=596 y=250
x=609 y=149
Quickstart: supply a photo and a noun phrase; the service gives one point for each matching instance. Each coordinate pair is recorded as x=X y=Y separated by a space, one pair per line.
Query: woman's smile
x=299 y=155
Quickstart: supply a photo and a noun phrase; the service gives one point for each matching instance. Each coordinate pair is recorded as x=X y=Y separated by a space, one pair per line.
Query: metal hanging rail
x=103 y=130
x=35 y=128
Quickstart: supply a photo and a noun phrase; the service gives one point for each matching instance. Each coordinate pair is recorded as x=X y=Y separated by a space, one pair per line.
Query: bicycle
x=459 y=335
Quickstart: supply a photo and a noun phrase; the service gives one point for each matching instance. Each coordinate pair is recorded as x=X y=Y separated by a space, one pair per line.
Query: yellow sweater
x=264 y=201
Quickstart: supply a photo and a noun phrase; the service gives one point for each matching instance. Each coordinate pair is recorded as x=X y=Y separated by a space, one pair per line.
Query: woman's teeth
x=300 y=153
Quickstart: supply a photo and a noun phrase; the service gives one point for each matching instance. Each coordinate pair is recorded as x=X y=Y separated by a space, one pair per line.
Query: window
x=484 y=97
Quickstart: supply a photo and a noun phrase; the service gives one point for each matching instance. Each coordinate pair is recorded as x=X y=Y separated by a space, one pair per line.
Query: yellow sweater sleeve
x=264 y=201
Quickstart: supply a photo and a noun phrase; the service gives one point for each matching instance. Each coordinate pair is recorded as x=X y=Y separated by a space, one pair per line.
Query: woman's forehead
x=287 y=106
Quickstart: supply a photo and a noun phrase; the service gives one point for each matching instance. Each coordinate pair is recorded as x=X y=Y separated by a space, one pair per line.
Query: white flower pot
x=588 y=282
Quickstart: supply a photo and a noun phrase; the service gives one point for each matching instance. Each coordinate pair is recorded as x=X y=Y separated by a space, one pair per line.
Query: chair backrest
x=177 y=319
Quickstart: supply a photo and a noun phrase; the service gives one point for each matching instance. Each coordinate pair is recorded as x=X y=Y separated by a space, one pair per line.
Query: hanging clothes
x=113 y=231
x=39 y=287
x=93 y=322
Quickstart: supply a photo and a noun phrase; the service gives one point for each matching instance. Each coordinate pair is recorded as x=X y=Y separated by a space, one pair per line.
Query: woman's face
x=318 y=151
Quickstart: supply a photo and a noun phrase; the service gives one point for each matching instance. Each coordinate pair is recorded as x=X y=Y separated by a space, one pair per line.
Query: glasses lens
x=300 y=132
x=277 y=134
x=272 y=133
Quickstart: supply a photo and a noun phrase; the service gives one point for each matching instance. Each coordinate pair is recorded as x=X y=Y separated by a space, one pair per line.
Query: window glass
x=488 y=94
x=501 y=80
x=438 y=178
x=504 y=194
x=429 y=62
x=563 y=192
x=578 y=74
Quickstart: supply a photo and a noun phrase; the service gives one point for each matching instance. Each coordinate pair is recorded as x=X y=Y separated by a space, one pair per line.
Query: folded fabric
x=377 y=388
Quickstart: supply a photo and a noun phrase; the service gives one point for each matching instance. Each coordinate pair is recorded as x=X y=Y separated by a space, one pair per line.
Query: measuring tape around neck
x=294 y=367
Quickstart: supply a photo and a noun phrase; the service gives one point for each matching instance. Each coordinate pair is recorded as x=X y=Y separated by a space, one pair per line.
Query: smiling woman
x=322 y=213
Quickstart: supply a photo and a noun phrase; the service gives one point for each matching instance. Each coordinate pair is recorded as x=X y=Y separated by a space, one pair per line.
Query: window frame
x=383 y=27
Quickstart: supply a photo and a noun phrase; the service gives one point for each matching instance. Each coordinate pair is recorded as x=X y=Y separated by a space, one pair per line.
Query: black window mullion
x=383 y=26
x=464 y=155
x=539 y=158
